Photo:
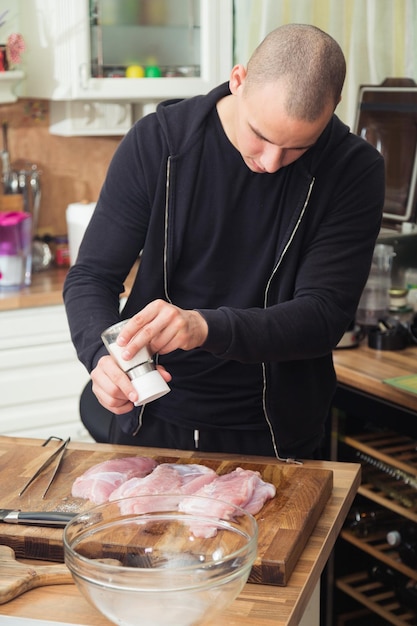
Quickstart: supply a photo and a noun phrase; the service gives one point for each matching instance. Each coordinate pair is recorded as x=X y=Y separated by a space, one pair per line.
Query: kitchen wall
x=73 y=168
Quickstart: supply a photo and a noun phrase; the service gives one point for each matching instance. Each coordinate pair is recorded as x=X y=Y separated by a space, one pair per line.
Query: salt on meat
x=99 y=481
x=166 y=478
x=243 y=488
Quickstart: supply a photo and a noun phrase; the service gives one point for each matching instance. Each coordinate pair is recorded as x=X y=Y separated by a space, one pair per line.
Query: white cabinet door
x=41 y=379
x=58 y=61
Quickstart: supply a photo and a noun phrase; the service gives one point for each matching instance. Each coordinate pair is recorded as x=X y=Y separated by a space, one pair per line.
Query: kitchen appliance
x=375 y=300
x=15 y=250
x=387 y=118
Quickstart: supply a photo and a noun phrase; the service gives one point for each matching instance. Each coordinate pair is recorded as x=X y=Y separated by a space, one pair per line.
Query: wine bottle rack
x=389 y=479
x=376 y=546
x=377 y=597
x=389 y=447
x=357 y=618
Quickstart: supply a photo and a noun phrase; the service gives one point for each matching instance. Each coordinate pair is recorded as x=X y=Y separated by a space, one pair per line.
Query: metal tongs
x=58 y=452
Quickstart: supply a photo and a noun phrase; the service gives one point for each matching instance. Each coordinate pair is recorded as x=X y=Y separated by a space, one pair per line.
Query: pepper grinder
x=141 y=369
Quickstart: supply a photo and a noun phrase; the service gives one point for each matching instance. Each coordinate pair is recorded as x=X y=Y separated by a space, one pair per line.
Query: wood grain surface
x=365 y=369
x=263 y=605
x=16 y=578
x=285 y=522
x=46 y=290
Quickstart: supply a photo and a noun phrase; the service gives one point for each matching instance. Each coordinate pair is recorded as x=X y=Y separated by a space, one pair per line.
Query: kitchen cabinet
x=79 y=50
x=8 y=83
x=376 y=425
x=383 y=584
x=41 y=378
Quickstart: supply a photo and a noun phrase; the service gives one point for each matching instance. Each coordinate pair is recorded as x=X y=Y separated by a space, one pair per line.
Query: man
x=256 y=211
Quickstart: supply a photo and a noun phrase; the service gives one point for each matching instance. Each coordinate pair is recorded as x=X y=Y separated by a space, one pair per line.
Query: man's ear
x=237 y=78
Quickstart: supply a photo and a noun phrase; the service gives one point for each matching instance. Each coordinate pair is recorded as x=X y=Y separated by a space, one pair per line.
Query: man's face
x=265 y=135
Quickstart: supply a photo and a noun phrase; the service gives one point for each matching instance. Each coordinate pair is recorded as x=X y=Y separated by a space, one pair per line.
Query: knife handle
x=57 y=519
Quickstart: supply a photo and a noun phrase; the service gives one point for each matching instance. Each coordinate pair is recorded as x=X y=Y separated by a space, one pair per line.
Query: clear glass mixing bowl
x=179 y=562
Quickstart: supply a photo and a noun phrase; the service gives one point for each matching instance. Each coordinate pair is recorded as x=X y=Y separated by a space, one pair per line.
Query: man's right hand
x=113 y=387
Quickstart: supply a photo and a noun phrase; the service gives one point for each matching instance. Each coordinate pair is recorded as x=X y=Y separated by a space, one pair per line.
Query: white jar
x=12 y=271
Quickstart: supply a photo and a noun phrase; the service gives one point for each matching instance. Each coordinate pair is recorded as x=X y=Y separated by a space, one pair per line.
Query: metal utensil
x=60 y=453
x=10 y=177
x=60 y=450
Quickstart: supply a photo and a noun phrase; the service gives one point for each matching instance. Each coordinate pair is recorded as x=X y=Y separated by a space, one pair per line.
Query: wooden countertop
x=45 y=290
x=263 y=605
x=365 y=369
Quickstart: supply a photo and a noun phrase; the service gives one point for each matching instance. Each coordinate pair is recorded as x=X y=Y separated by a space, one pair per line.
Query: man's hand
x=113 y=388
x=161 y=326
x=164 y=327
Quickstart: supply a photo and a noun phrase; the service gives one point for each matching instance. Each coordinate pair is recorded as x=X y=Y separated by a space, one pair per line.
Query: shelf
x=384 y=494
x=357 y=618
x=388 y=447
x=375 y=596
x=8 y=82
x=375 y=544
x=389 y=479
x=389 y=470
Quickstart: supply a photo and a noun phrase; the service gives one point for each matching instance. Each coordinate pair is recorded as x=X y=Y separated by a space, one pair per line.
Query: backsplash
x=73 y=168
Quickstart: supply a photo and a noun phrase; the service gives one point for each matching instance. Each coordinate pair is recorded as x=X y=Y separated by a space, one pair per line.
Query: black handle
x=56 y=519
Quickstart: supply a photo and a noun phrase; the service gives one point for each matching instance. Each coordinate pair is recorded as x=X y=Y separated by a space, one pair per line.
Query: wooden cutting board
x=285 y=522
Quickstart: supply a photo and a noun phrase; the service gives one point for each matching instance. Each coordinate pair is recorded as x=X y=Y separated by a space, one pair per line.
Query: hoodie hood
x=182 y=121
x=182 y=132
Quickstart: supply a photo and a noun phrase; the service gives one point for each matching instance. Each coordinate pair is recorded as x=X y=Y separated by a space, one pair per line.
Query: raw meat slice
x=194 y=477
x=99 y=481
x=263 y=491
x=167 y=478
x=163 y=479
x=243 y=488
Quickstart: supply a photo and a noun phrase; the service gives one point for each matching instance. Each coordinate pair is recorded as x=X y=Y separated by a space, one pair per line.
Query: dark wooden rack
x=389 y=467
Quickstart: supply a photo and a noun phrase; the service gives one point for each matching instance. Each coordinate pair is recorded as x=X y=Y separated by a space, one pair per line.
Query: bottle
x=407 y=594
x=387 y=576
x=404 y=588
x=364 y=521
x=405 y=540
x=62 y=258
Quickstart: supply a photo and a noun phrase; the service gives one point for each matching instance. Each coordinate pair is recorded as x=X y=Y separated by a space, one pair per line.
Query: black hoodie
x=331 y=207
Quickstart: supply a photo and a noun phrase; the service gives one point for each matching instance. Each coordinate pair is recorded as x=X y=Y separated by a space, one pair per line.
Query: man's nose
x=272 y=158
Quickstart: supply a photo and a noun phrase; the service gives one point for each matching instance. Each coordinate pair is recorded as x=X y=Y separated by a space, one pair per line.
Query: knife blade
x=57 y=519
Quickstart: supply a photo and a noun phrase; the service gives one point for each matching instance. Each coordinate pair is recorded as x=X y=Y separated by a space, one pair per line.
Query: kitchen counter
x=365 y=369
x=45 y=290
x=263 y=605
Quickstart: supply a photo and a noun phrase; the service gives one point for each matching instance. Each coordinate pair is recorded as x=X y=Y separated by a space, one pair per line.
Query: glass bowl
x=161 y=559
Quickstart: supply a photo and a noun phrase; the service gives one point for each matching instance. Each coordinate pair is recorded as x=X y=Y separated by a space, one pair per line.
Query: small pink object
x=15 y=46
x=11 y=218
